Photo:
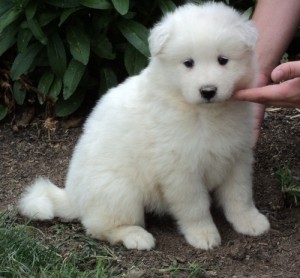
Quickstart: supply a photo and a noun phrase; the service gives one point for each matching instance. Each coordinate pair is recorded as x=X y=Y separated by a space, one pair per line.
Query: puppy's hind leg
x=132 y=235
x=119 y=218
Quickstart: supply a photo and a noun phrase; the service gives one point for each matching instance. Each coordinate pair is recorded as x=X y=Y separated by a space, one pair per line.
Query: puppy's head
x=205 y=52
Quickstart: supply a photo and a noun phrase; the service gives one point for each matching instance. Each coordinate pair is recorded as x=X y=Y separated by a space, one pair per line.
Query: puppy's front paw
x=202 y=237
x=251 y=223
x=139 y=239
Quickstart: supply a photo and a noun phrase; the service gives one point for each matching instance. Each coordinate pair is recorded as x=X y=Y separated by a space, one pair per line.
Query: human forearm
x=276 y=21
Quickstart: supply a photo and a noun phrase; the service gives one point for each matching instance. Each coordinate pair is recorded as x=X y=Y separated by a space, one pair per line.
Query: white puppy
x=164 y=139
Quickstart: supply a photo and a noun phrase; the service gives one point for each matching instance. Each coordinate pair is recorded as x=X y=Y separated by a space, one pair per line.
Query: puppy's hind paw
x=203 y=237
x=139 y=239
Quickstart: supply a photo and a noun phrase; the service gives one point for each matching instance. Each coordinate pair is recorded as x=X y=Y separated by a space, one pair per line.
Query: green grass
x=192 y=270
x=25 y=251
x=23 y=254
x=290 y=185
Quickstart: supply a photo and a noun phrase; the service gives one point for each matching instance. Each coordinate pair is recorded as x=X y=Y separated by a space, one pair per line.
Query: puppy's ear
x=249 y=34
x=158 y=37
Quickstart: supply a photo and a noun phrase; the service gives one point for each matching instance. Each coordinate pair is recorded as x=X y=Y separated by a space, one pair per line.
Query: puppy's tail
x=43 y=200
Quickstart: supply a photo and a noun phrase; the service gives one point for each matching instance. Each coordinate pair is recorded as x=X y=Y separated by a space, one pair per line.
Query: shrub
x=63 y=51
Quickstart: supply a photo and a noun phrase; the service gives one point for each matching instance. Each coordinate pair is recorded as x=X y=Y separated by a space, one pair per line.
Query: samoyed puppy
x=166 y=138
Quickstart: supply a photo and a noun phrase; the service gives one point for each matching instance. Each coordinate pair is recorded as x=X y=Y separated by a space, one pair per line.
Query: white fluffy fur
x=154 y=143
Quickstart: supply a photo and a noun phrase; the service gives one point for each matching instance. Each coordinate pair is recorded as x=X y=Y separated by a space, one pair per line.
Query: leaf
x=23 y=39
x=166 y=6
x=24 y=24
x=19 y=93
x=37 y=31
x=3 y=112
x=55 y=88
x=65 y=108
x=44 y=85
x=24 y=60
x=57 y=55
x=5 y=6
x=79 y=44
x=72 y=78
x=30 y=9
x=108 y=79
x=96 y=4
x=122 y=6
x=66 y=13
x=248 y=13
x=134 y=61
x=45 y=82
x=8 y=17
x=64 y=3
x=41 y=60
x=8 y=37
x=102 y=47
x=136 y=34
x=46 y=17
x=101 y=23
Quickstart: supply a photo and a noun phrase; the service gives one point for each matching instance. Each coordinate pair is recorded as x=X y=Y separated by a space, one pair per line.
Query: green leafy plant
x=63 y=51
x=290 y=184
x=70 y=48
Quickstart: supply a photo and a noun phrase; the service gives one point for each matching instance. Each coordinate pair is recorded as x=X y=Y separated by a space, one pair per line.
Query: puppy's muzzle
x=208 y=92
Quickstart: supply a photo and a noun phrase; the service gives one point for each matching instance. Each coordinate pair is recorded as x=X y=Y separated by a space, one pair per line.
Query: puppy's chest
x=215 y=167
x=202 y=149
x=207 y=154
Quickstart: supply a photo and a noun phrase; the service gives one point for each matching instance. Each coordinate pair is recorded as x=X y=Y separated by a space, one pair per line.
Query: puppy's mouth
x=209 y=101
x=212 y=101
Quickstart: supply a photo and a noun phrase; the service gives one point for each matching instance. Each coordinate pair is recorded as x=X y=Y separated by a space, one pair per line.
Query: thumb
x=286 y=71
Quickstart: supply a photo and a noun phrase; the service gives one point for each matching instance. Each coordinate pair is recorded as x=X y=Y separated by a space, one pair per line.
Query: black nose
x=208 y=92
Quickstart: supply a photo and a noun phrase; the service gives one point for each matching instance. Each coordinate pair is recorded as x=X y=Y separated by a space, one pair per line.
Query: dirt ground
x=36 y=150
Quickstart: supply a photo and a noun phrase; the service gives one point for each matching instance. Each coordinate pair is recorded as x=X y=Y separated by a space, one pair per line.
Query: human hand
x=284 y=94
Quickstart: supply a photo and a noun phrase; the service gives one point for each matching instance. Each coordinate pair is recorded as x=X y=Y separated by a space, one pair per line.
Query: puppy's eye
x=189 y=63
x=223 y=60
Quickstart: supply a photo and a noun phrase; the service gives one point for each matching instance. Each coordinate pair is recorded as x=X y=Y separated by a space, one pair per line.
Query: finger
x=286 y=71
x=259 y=95
x=286 y=94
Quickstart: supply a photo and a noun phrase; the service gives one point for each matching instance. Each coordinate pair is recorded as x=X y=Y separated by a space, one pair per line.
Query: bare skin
x=284 y=94
x=276 y=21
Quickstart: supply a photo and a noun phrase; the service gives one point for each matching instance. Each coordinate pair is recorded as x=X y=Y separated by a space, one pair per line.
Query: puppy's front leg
x=235 y=196
x=189 y=202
